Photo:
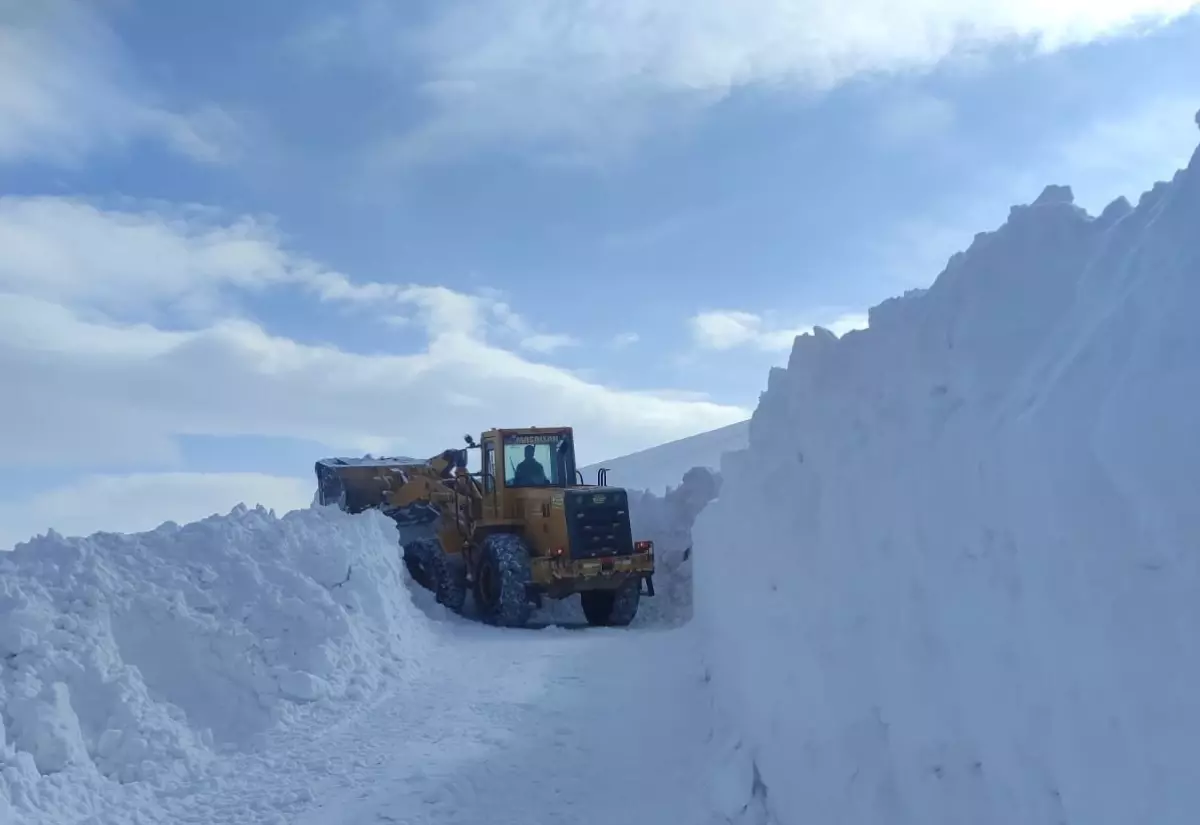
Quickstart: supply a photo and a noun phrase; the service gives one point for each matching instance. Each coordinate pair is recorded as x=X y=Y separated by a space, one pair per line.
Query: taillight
x=643 y=546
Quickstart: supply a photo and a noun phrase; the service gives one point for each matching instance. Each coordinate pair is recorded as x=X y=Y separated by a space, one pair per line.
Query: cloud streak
x=88 y=382
x=594 y=77
x=66 y=91
x=733 y=329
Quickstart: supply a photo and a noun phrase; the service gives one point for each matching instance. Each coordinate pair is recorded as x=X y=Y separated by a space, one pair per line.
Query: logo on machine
x=548 y=438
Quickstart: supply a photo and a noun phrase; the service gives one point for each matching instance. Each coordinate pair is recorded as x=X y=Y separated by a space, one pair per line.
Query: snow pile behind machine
x=524 y=528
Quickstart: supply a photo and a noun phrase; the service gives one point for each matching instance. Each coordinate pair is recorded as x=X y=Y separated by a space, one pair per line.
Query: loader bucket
x=359 y=484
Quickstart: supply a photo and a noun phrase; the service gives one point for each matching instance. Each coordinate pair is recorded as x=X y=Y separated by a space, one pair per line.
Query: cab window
x=529 y=465
x=489 y=464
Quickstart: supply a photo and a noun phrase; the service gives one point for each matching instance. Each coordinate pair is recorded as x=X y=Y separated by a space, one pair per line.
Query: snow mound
x=968 y=587
x=136 y=658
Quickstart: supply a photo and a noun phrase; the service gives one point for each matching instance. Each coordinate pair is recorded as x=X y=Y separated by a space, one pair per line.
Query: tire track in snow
x=544 y=726
x=498 y=726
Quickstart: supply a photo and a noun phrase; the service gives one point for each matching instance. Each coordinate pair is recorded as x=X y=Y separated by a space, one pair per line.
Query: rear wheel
x=613 y=608
x=503 y=579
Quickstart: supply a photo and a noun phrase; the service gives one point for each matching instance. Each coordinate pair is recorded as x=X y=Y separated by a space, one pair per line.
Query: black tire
x=418 y=558
x=502 y=579
x=612 y=608
x=449 y=573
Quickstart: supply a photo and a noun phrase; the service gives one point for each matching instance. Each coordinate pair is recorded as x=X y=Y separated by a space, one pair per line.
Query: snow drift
x=968 y=583
x=138 y=657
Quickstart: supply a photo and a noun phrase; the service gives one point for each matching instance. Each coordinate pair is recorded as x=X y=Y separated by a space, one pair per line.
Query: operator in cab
x=530 y=472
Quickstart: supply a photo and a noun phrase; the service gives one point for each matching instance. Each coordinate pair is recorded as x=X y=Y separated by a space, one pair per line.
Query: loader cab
x=528 y=459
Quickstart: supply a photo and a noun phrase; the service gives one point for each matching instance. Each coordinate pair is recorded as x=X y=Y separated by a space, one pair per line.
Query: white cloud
x=84 y=389
x=731 y=329
x=66 y=89
x=143 y=501
x=625 y=339
x=515 y=325
x=590 y=77
x=71 y=251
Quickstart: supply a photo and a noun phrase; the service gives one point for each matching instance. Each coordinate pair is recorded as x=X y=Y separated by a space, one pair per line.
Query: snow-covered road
x=261 y=670
x=547 y=726
x=544 y=726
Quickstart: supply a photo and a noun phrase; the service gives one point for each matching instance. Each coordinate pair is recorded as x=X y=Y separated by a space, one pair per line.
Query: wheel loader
x=525 y=528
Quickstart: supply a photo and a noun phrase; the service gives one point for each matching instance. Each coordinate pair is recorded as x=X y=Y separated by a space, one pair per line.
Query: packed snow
x=967 y=581
x=139 y=659
x=947 y=575
x=253 y=668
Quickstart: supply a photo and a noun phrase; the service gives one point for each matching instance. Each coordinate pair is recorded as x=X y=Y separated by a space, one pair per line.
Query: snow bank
x=135 y=658
x=667 y=521
x=968 y=589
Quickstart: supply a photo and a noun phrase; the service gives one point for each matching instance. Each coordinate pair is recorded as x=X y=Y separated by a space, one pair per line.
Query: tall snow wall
x=967 y=587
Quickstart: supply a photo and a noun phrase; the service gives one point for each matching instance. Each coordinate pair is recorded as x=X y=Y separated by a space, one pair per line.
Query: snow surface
x=968 y=587
x=950 y=579
x=250 y=668
x=139 y=659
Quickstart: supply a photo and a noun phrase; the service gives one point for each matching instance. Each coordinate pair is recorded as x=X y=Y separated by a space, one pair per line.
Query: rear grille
x=598 y=523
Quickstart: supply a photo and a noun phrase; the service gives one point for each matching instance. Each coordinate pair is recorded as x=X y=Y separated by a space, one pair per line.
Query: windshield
x=541 y=460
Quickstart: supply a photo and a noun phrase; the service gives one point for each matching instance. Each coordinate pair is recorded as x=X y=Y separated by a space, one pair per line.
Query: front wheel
x=418 y=559
x=613 y=608
x=449 y=574
x=502 y=580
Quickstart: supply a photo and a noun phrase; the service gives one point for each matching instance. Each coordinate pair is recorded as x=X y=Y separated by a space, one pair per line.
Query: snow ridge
x=969 y=586
x=138 y=658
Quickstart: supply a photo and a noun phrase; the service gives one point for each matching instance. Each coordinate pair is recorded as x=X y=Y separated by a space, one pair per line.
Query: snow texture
x=967 y=585
x=142 y=658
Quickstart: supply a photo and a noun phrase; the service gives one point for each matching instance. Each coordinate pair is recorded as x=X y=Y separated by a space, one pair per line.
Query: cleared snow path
x=543 y=726
x=502 y=726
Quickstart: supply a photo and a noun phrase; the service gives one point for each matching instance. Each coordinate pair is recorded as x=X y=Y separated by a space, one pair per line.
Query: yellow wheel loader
x=524 y=528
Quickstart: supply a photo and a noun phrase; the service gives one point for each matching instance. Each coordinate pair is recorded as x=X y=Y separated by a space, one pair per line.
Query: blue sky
x=237 y=237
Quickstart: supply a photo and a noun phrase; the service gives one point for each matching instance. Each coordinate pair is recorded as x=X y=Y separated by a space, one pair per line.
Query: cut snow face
x=135 y=657
x=667 y=521
x=968 y=587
